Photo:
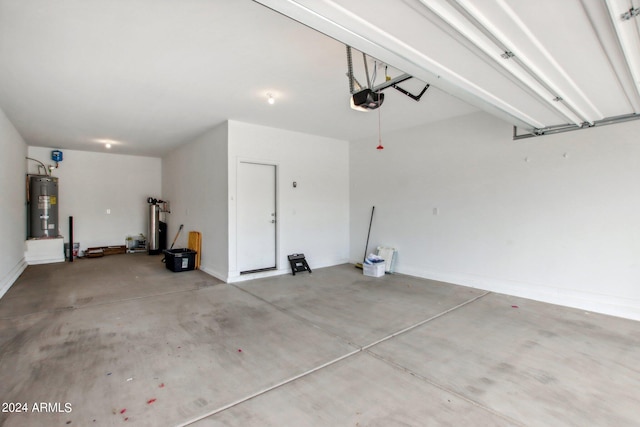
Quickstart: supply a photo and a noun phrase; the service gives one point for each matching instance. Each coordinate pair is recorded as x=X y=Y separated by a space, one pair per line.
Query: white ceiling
x=150 y=75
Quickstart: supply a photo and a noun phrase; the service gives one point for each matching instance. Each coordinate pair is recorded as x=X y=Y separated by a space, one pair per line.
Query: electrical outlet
x=108 y=211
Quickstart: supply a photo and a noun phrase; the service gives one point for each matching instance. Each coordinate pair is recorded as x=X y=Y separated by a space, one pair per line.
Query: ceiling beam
x=335 y=21
x=499 y=48
x=627 y=28
x=598 y=15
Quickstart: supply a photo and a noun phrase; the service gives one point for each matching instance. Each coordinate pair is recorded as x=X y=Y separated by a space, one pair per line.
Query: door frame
x=233 y=198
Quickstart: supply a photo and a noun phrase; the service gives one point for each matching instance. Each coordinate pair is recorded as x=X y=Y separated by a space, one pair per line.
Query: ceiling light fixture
x=106 y=142
x=270 y=99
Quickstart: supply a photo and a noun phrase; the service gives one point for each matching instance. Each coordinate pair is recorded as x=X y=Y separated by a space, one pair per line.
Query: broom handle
x=176 y=238
x=368 y=234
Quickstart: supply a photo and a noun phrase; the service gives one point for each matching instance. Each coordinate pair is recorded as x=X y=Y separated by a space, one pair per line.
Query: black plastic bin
x=180 y=259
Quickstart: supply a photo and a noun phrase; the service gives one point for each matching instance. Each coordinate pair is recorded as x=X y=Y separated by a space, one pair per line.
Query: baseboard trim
x=215 y=274
x=11 y=277
x=628 y=308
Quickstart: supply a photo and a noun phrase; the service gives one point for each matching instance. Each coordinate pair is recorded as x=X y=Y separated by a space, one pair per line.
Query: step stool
x=298 y=263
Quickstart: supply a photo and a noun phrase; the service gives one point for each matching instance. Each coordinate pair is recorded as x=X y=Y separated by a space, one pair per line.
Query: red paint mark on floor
x=150 y=401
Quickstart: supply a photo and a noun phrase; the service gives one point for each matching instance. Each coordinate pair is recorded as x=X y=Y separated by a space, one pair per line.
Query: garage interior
x=500 y=154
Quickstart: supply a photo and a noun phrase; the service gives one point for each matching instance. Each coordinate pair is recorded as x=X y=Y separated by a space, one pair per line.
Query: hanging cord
x=379 y=147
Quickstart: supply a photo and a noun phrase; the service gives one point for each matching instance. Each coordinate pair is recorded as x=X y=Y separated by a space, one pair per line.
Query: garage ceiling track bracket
x=394 y=84
x=569 y=127
x=353 y=82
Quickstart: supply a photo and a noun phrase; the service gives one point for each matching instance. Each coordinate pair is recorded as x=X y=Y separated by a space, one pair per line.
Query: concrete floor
x=120 y=339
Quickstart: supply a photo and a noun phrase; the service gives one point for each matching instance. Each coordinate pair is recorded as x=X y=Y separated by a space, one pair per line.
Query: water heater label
x=44 y=202
x=53 y=200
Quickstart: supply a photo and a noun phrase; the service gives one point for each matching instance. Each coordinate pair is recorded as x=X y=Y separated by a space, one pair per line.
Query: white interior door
x=256 y=210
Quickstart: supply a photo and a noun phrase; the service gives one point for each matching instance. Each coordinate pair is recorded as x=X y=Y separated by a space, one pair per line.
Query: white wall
x=13 y=170
x=199 y=179
x=90 y=183
x=314 y=217
x=553 y=218
x=195 y=182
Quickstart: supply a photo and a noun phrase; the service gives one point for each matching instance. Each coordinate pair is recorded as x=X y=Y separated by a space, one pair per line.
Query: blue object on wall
x=56 y=155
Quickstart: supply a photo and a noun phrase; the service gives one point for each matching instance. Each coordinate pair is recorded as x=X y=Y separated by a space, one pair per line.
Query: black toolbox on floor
x=180 y=259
